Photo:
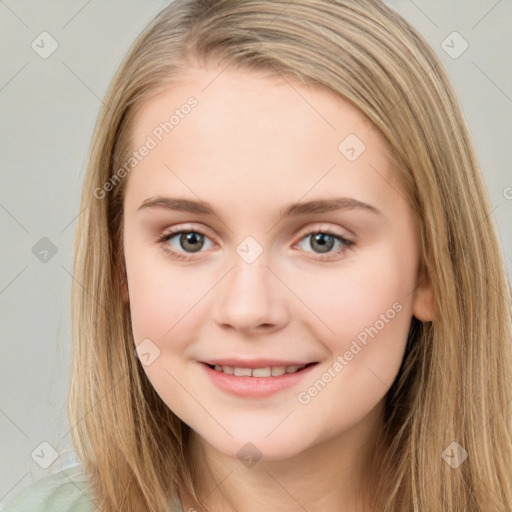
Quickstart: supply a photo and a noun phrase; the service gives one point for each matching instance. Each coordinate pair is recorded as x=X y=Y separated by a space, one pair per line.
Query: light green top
x=65 y=491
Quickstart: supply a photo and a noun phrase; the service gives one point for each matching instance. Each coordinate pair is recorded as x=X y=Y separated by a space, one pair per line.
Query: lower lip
x=256 y=387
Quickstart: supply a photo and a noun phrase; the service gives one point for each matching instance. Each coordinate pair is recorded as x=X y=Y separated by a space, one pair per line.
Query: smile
x=257 y=381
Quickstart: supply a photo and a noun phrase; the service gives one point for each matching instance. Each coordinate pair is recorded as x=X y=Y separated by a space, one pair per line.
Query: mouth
x=264 y=371
x=257 y=378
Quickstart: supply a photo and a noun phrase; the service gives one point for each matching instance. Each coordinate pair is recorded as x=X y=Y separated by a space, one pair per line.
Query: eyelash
x=181 y=256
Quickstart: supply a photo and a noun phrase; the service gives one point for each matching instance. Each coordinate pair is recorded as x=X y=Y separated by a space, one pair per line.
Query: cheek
x=160 y=294
x=367 y=291
x=163 y=305
x=365 y=311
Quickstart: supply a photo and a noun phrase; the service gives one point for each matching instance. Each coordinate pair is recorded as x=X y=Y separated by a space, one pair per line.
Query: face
x=265 y=231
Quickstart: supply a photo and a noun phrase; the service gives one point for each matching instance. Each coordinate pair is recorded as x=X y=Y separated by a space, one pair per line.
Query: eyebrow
x=293 y=210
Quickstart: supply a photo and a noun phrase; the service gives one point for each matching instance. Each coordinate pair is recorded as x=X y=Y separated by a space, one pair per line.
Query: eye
x=179 y=242
x=324 y=241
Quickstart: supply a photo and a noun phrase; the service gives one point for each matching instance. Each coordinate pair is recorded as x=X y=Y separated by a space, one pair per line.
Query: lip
x=255 y=387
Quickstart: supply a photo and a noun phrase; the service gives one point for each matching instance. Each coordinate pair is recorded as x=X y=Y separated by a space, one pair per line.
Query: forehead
x=260 y=104
x=242 y=135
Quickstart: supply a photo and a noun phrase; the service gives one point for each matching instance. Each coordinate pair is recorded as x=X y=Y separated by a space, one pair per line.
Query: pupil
x=325 y=242
x=191 y=240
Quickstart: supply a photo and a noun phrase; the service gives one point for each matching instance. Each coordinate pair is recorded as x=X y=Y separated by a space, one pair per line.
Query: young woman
x=288 y=289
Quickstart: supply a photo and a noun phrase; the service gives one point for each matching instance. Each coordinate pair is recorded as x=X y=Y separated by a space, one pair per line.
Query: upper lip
x=255 y=363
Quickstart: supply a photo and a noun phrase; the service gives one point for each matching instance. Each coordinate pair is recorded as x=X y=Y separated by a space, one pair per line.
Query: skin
x=253 y=145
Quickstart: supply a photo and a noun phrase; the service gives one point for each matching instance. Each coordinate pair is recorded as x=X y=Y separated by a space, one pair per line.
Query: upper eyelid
x=310 y=230
x=185 y=229
x=320 y=227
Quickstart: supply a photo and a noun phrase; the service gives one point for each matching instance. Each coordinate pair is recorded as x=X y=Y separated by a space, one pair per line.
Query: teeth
x=262 y=372
x=268 y=371
x=278 y=370
x=242 y=372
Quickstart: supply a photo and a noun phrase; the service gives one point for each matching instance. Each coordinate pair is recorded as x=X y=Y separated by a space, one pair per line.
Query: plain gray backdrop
x=49 y=99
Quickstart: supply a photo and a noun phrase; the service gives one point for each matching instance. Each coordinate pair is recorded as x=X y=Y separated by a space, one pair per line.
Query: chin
x=259 y=446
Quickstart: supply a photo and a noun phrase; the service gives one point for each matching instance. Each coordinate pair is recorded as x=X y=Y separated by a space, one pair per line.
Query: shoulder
x=67 y=490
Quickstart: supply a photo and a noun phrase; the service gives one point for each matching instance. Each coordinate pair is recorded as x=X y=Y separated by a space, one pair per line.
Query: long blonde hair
x=455 y=382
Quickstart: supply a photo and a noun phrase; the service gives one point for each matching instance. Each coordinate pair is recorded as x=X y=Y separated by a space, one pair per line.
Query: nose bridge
x=250 y=279
x=250 y=296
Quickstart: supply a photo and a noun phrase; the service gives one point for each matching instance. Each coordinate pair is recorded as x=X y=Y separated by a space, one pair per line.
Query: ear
x=423 y=306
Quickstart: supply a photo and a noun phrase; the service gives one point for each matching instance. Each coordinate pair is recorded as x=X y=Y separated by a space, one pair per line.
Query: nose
x=251 y=298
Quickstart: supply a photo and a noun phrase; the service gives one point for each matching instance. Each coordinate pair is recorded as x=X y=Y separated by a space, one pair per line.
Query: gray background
x=48 y=109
